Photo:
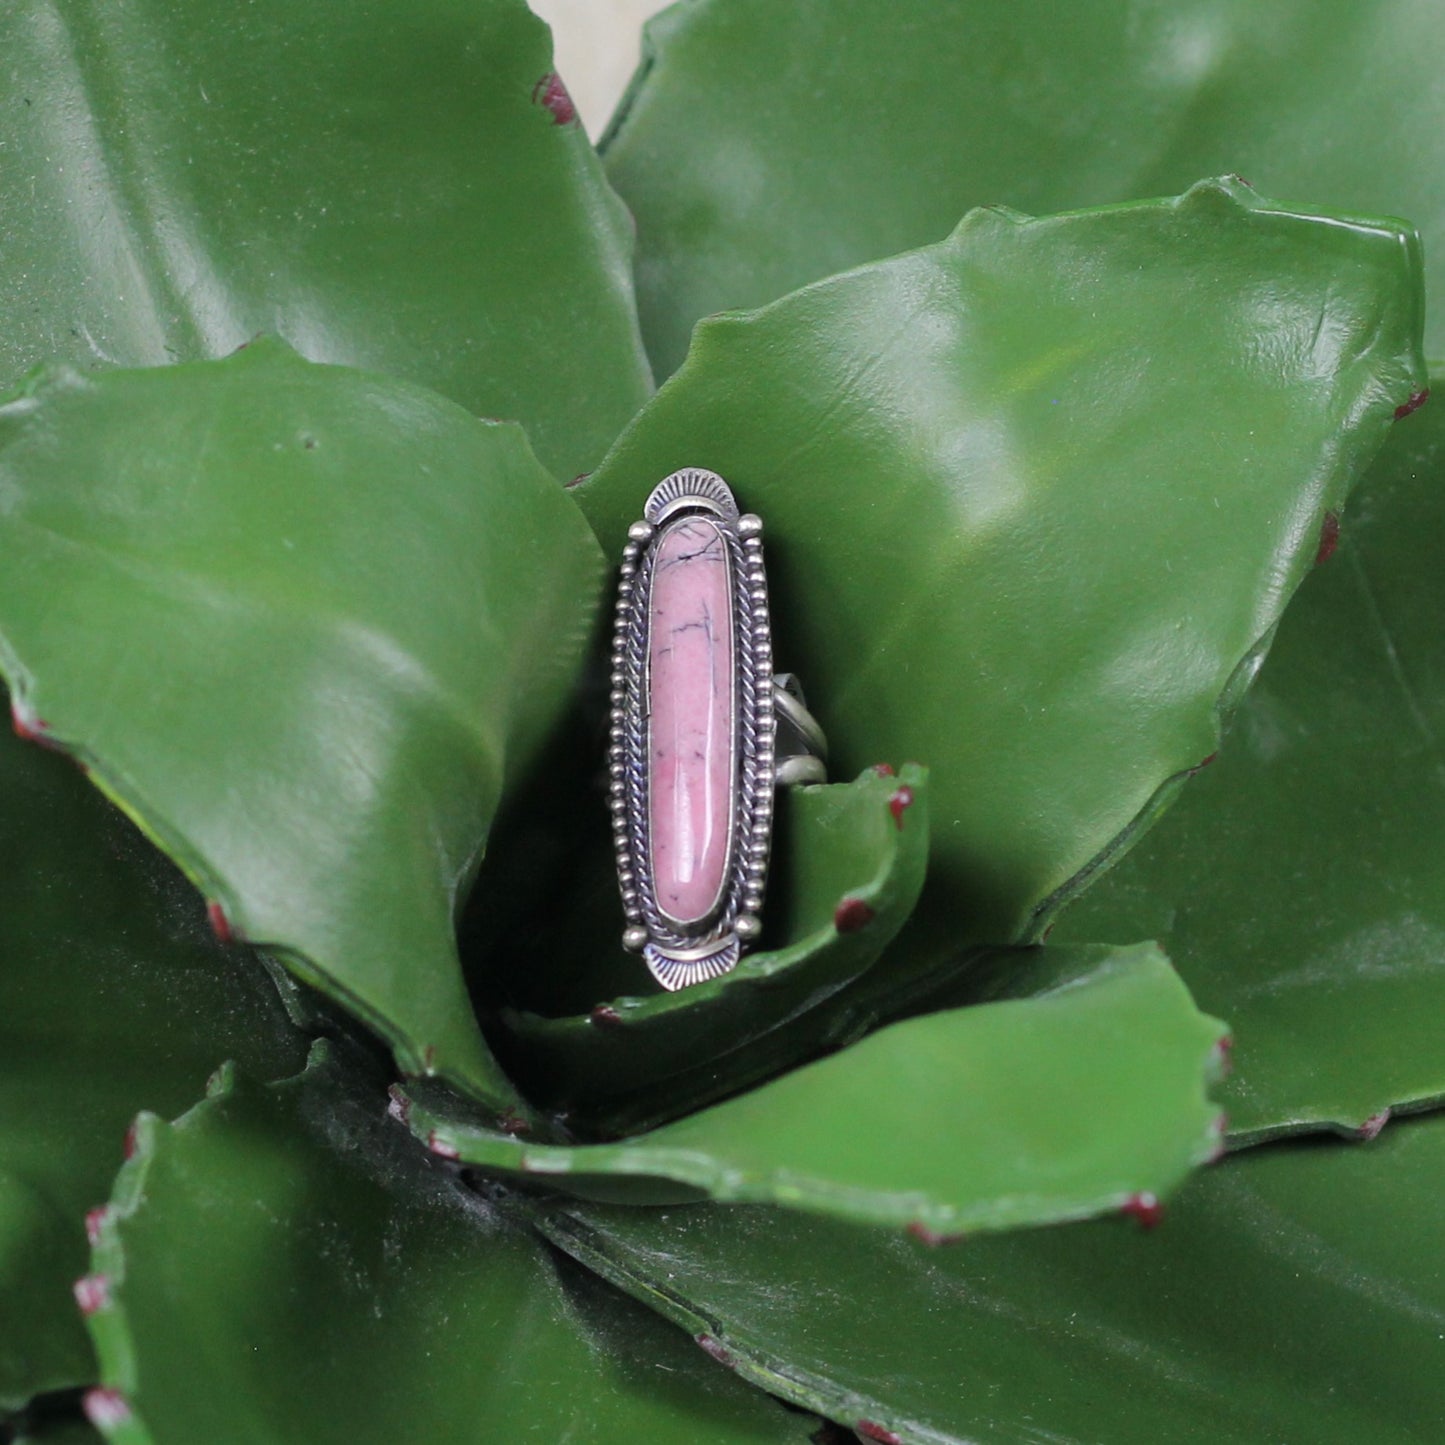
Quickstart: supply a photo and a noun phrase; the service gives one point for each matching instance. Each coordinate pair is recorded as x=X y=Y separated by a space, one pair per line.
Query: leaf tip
x=852 y=915
x=95 y=1222
x=899 y=803
x=880 y=1434
x=442 y=1148
x=1416 y=400
x=551 y=93
x=714 y=1347
x=1222 y=1056
x=106 y=1409
x=92 y=1293
x=220 y=923
x=1144 y=1208
x=1372 y=1126
x=29 y=728
x=989 y=218
x=1230 y=192
x=933 y=1238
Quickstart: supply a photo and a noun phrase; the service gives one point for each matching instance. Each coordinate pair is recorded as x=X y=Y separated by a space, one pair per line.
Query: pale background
x=596 y=50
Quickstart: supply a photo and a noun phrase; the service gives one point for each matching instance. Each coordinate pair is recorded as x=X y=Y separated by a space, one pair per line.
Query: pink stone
x=691 y=719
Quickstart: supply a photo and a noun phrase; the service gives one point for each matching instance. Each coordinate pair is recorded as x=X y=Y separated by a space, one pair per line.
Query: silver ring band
x=800 y=747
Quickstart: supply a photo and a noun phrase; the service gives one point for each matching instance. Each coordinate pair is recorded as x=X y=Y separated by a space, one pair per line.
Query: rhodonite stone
x=691 y=719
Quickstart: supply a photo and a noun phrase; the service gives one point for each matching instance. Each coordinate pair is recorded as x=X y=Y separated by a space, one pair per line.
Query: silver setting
x=692 y=489
x=679 y=955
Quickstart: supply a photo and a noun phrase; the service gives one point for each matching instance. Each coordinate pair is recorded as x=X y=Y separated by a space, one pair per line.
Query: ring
x=702 y=730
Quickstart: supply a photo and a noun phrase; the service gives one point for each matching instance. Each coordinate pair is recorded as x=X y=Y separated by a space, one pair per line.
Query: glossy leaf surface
x=767 y=145
x=1298 y=883
x=1005 y=1114
x=1035 y=495
x=284 y=1265
x=390 y=188
x=1292 y=1293
x=114 y=996
x=845 y=876
x=304 y=623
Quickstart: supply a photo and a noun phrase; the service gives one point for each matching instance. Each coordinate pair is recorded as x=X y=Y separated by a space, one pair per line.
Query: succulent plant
x=306 y=790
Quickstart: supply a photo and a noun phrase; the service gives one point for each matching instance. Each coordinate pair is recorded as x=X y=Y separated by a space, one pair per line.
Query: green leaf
x=303 y=623
x=387 y=187
x=1293 y=1293
x=283 y=1264
x=764 y=146
x=1070 y=1103
x=846 y=873
x=114 y=996
x=1297 y=884
x=1035 y=497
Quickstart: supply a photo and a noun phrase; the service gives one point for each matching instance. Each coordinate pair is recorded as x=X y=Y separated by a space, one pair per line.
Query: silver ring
x=702 y=730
